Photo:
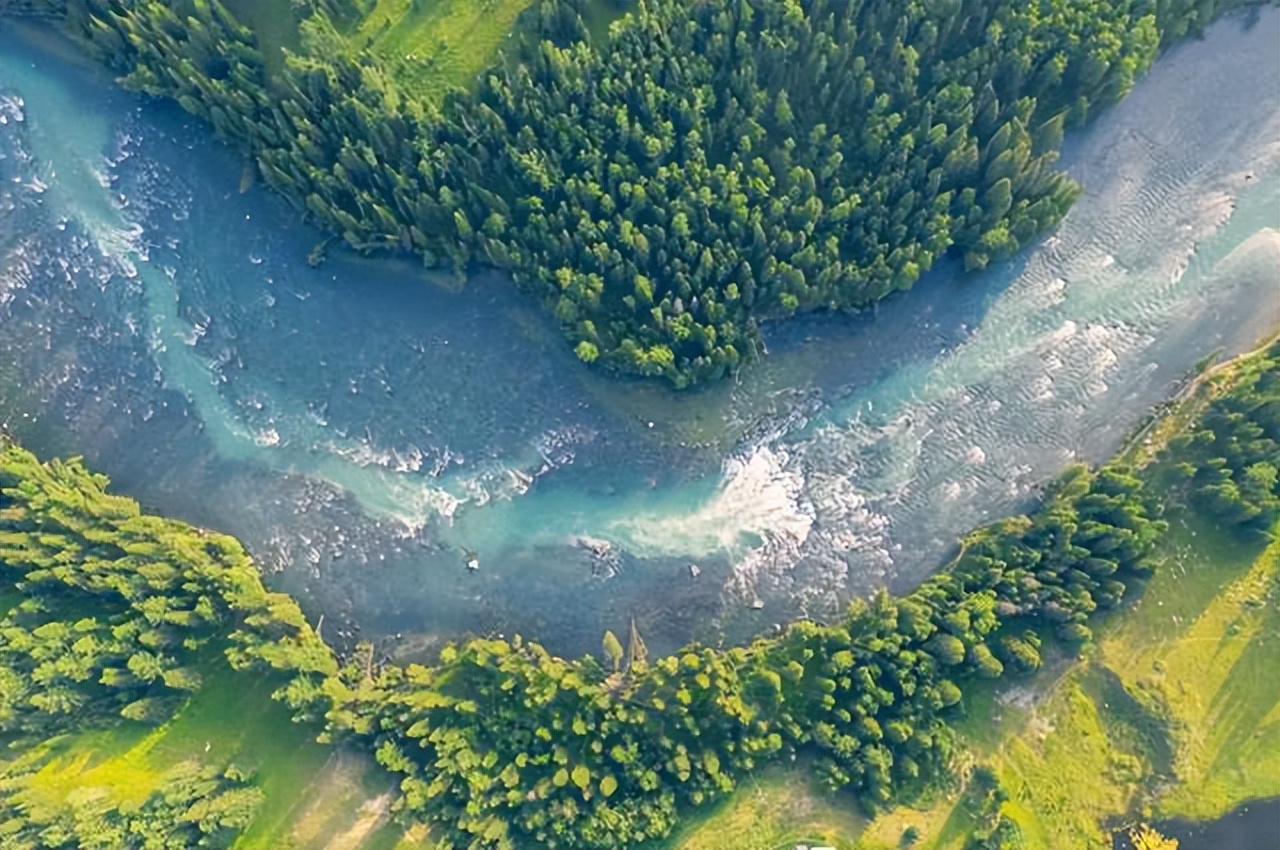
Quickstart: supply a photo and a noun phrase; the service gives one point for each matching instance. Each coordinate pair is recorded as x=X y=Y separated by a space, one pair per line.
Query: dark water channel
x=1253 y=826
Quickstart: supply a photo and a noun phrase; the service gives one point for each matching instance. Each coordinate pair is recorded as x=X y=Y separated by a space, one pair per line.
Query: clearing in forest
x=315 y=797
x=435 y=45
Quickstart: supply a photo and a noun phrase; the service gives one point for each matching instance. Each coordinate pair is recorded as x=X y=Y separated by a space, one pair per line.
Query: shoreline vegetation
x=1166 y=715
x=665 y=182
x=110 y=617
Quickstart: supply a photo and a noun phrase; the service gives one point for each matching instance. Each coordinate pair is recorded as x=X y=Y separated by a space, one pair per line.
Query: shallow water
x=366 y=427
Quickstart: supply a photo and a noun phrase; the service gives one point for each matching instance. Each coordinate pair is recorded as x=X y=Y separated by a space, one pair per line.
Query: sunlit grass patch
x=1195 y=561
x=944 y=823
x=1220 y=685
x=776 y=809
x=435 y=45
x=315 y=796
x=112 y=761
x=1067 y=770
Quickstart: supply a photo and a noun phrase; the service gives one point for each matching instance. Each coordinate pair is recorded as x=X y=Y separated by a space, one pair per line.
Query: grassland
x=1216 y=681
x=430 y=46
x=317 y=797
x=777 y=809
x=435 y=45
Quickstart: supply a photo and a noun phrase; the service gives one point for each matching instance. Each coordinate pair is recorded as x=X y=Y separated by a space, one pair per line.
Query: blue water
x=367 y=427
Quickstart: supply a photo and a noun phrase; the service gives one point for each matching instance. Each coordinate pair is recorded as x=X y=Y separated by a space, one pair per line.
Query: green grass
x=415 y=837
x=315 y=796
x=776 y=809
x=109 y=760
x=1219 y=685
x=430 y=46
x=1070 y=767
x=433 y=46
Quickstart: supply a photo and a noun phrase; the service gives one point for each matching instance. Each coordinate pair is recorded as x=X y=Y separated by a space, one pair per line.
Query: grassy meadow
x=430 y=46
x=779 y=808
x=317 y=797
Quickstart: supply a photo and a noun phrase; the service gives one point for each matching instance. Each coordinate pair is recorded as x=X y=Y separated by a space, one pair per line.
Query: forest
x=700 y=168
x=500 y=743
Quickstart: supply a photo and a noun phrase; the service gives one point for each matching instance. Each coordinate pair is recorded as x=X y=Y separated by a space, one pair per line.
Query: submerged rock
x=605 y=561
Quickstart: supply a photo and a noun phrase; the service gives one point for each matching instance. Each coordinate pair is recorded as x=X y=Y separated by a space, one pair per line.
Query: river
x=367 y=428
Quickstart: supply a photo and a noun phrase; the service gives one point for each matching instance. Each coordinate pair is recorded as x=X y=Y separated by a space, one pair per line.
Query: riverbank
x=1172 y=714
x=896 y=662
x=364 y=471
x=661 y=250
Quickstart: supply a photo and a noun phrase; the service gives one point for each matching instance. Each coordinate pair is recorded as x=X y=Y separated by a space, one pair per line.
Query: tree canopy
x=703 y=168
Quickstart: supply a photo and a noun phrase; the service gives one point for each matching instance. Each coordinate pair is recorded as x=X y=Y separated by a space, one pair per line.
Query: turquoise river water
x=367 y=428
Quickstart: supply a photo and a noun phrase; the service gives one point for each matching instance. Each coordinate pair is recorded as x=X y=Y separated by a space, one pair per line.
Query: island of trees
x=504 y=745
x=701 y=168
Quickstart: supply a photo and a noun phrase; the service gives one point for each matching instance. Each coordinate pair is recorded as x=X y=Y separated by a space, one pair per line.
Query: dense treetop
x=107 y=615
x=1229 y=459
x=704 y=167
x=147 y=594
